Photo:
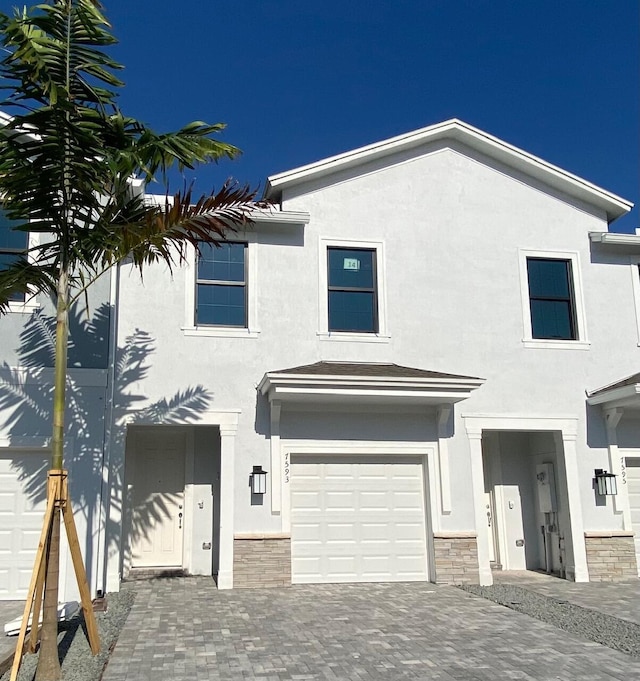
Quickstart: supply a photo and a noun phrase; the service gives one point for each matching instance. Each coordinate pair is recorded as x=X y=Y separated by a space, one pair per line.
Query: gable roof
x=456 y=130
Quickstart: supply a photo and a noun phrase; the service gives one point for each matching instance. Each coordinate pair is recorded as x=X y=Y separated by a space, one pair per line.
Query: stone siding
x=456 y=556
x=261 y=561
x=611 y=556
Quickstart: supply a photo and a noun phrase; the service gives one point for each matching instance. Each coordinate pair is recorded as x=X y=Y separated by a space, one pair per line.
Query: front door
x=157 y=517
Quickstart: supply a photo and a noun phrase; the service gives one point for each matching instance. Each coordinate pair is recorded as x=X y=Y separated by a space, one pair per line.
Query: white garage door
x=357 y=520
x=20 y=519
x=633 y=489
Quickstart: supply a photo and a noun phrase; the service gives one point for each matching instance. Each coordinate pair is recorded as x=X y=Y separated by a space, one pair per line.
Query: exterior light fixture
x=605 y=483
x=258 y=480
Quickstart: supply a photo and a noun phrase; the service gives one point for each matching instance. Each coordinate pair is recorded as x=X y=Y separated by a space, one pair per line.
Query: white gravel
x=78 y=664
x=612 y=632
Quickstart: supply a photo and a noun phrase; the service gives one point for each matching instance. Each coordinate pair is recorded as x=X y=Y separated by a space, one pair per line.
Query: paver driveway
x=184 y=629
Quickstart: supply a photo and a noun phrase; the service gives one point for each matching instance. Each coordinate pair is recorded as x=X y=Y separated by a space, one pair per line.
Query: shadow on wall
x=26 y=405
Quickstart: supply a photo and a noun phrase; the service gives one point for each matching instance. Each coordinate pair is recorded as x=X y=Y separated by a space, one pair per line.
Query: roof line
x=456 y=129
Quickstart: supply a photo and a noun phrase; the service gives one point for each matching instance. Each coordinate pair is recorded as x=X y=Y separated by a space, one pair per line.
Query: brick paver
x=184 y=629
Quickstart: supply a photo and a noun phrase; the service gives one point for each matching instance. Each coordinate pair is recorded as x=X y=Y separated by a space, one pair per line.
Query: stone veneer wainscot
x=456 y=557
x=611 y=556
x=261 y=560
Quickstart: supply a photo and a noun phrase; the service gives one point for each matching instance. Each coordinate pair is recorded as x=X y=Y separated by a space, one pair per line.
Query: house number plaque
x=287 y=467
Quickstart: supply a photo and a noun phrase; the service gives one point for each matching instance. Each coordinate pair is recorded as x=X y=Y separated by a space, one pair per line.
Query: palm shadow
x=26 y=395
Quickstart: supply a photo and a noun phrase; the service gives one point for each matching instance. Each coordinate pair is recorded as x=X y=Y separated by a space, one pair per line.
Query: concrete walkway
x=618 y=599
x=9 y=610
x=184 y=629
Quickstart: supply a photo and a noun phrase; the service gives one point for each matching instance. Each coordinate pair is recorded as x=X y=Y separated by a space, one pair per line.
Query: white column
x=572 y=477
x=276 y=464
x=116 y=542
x=444 y=413
x=227 y=486
x=482 y=529
x=612 y=417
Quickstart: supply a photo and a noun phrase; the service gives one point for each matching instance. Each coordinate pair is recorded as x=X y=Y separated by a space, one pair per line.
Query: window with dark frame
x=221 y=285
x=13 y=247
x=551 y=299
x=353 y=296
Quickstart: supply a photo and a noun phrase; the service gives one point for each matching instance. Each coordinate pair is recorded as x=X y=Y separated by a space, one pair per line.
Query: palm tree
x=70 y=165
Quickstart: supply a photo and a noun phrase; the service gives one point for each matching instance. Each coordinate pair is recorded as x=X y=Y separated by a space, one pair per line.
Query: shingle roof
x=366 y=369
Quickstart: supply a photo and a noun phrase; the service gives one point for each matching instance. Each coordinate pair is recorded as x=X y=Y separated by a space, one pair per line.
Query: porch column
x=612 y=417
x=572 y=477
x=276 y=467
x=482 y=529
x=227 y=485
x=444 y=415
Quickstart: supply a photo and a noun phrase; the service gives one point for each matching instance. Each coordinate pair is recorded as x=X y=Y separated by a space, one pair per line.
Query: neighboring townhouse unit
x=412 y=345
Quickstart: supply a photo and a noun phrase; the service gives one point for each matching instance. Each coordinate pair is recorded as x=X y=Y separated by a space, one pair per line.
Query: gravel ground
x=78 y=664
x=590 y=624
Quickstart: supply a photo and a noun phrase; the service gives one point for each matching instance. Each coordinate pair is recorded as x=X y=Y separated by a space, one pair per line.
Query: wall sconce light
x=605 y=483
x=258 y=480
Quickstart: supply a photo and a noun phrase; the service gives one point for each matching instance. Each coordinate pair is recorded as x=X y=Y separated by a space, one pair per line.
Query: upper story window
x=552 y=301
x=551 y=298
x=353 y=295
x=221 y=285
x=13 y=246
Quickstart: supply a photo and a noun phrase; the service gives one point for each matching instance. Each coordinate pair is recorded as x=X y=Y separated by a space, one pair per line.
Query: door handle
x=180 y=520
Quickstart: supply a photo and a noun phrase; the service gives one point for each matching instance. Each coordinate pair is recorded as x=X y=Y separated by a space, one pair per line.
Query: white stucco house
x=430 y=345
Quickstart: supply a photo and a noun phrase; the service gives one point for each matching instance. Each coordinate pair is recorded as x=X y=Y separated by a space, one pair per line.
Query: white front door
x=21 y=517
x=357 y=520
x=157 y=517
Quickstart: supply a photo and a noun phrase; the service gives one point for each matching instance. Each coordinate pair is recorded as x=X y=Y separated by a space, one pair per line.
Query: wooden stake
x=81 y=576
x=35 y=614
x=57 y=496
x=37 y=567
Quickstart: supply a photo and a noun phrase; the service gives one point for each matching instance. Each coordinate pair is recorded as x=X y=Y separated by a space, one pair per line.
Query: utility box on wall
x=546 y=488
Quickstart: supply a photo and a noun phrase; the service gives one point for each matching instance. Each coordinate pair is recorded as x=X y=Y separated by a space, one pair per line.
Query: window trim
x=250 y=330
x=635 y=284
x=382 y=335
x=581 y=341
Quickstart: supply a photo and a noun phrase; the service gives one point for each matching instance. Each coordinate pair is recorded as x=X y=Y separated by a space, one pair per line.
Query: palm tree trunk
x=48 y=661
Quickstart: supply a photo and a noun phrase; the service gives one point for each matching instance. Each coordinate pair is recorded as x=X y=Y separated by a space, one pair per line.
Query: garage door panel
x=380 y=534
x=21 y=517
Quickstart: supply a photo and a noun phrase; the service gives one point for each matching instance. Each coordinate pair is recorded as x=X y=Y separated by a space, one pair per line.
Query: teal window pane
x=551 y=319
x=222 y=263
x=220 y=305
x=351 y=268
x=6 y=260
x=11 y=239
x=13 y=245
x=352 y=311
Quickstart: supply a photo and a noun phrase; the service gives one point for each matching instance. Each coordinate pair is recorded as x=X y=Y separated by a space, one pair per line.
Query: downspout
x=105 y=485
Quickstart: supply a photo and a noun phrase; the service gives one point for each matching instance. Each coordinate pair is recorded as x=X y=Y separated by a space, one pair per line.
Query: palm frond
x=24 y=279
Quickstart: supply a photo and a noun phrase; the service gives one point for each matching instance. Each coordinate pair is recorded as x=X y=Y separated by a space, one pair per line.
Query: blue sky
x=299 y=81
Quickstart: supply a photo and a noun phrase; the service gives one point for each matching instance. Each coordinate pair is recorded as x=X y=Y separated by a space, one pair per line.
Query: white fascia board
x=265 y=216
x=297 y=394
x=617 y=396
x=299 y=384
x=615 y=206
x=615 y=239
x=281 y=217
